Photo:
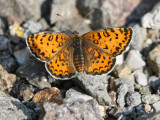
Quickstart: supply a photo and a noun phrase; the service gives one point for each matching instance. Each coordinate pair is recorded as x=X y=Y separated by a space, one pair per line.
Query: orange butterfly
x=93 y=52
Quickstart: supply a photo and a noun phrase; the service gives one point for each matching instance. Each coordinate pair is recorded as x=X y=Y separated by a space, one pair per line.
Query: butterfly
x=66 y=55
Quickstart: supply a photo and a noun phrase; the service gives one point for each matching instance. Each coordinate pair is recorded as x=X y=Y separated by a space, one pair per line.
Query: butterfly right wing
x=45 y=45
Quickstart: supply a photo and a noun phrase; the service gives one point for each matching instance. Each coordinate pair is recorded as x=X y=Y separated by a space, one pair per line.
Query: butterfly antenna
x=82 y=21
x=65 y=21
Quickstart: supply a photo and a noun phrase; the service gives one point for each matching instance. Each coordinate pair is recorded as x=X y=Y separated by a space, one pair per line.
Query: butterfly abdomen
x=78 y=56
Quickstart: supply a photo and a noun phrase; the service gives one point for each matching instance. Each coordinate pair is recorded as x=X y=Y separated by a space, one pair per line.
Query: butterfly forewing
x=112 y=40
x=45 y=45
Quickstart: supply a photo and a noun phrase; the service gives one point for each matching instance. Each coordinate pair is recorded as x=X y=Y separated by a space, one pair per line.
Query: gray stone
x=145 y=89
x=154 y=60
x=95 y=87
x=133 y=99
x=141 y=78
x=156 y=106
x=150 y=98
x=13 y=109
x=8 y=63
x=34 y=72
x=3 y=25
x=22 y=56
x=151 y=116
x=152 y=19
x=158 y=90
x=138 y=39
x=22 y=91
x=19 y=10
x=3 y=43
x=43 y=23
x=122 y=91
x=134 y=59
x=7 y=80
x=122 y=70
x=107 y=11
x=75 y=95
x=130 y=83
x=154 y=83
x=66 y=8
x=88 y=110
x=31 y=27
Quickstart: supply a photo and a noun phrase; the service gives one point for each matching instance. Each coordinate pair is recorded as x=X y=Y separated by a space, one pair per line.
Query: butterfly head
x=75 y=32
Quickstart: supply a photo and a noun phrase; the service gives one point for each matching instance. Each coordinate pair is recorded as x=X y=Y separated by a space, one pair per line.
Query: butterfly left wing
x=112 y=41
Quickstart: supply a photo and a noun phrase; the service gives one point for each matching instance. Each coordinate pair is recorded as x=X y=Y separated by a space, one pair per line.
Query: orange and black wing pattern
x=102 y=46
x=112 y=40
x=45 y=45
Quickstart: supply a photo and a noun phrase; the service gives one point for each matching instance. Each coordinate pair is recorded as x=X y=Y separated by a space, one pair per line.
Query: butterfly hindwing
x=61 y=66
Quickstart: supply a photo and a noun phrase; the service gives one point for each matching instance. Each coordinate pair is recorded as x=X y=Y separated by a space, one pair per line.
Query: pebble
x=122 y=70
x=88 y=110
x=3 y=43
x=152 y=19
x=138 y=39
x=34 y=72
x=121 y=93
x=150 y=98
x=8 y=63
x=22 y=91
x=156 y=106
x=22 y=56
x=133 y=99
x=153 y=116
x=141 y=78
x=94 y=86
x=130 y=83
x=134 y=59
x=13 y=109
x=74 y=95
x=154 y=83
x=7 y=80
x=154 y=60
x=48 y=95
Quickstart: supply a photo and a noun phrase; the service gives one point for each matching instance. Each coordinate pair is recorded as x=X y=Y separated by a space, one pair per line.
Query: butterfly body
x=93 y=52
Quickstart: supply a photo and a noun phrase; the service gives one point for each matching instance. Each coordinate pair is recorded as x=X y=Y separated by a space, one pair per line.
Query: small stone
x=34 y=72
x=145 y=90
x=153 y=116
x=7 y=80
x=31 y=27
x=94 y=86
x=130 y=83
x=133 y=99
x=3 y=43
x=154 y=83
x=150 y=99
x=113 y=96
x=147 y=108
x=89 y=110
x=122 y=70
x=134 y=59
x=152 y=19
x=138 y=39
x=65 y=8
x=141 y=78
x=158 y=90
x=8 y=63
x=13 y=109
x=120 y=59
x=156 y=106
x=22 y=91
x=74 y=95
x=22 y=56
x=154 y=60
x=48 y=95
x=121 y=91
